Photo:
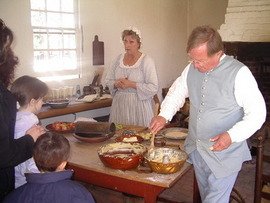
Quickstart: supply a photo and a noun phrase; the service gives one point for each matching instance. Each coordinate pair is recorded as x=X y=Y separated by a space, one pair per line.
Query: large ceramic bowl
x=165 y=160
x=123 y=156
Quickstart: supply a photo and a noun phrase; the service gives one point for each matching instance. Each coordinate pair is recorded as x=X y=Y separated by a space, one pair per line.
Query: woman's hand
x=35 y=131
x=124 y=83
x=157 y=123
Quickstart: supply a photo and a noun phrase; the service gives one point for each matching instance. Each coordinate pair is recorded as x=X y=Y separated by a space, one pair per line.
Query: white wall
x=206 y=12
x=164 y=25
x=247 y=21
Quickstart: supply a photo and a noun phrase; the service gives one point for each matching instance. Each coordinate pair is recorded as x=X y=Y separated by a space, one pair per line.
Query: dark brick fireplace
x=255 y=55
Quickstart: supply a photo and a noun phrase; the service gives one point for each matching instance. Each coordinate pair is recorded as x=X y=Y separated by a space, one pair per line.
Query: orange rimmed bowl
x=123 y=156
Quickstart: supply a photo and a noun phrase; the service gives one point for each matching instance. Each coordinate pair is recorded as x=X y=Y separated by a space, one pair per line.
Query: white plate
x=88 y=98
x=175 y=133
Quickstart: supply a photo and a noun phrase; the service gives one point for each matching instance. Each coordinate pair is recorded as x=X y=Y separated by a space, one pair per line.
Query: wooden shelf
x=75 y=108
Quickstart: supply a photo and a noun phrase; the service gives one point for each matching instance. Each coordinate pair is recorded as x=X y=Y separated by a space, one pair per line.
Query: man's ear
x=62 y=166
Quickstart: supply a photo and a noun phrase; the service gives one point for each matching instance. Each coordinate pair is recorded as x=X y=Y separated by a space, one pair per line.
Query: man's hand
x=221 y=142
x=157 y=123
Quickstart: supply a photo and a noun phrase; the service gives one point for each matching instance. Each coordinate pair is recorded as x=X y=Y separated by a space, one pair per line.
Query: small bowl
x=58 y=104
x=165 y=160
x=123 y=156
x=129 y=139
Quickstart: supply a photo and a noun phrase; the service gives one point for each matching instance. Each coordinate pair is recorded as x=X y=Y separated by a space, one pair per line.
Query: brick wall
x=247 y=20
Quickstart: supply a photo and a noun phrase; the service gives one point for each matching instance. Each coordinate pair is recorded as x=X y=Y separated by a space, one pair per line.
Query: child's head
x=51 y=152
x=29 y=91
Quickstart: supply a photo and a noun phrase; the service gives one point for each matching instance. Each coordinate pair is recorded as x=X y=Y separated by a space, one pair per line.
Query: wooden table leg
x=196 y=192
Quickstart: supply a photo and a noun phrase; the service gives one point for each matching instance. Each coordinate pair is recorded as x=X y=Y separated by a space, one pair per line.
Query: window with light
x=54 y=39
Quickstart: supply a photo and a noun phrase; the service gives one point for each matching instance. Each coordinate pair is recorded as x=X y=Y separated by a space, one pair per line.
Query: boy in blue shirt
x=52 y=184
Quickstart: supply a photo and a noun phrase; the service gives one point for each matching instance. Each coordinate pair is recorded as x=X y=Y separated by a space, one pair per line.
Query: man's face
x=204 y=63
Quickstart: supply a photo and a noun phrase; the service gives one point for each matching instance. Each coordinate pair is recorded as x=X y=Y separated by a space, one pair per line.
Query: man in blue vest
x=226 y=108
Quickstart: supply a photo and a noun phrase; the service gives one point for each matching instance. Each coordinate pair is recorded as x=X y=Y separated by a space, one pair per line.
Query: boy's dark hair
x=26 y=88
x=50 y=150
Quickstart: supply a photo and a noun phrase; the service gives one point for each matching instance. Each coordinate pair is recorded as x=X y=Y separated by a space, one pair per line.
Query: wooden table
x=88 y=168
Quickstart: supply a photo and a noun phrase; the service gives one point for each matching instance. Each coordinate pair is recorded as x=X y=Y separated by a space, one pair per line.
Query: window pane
x=68 y=21
x=54 y=19
x=40 y=61
x=69 y=41
x=53 y=5
x=38 y=4
x=67 y=5
x=55 y=41
x=38 y=18
x=69 y=59
x=40 y=41
x=55 y=60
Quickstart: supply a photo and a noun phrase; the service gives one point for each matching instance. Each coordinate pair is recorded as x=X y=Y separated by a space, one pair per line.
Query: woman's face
x=131 y=44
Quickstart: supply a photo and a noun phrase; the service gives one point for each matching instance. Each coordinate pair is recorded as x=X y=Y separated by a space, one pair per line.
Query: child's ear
x=32 y=102
x=62 y=166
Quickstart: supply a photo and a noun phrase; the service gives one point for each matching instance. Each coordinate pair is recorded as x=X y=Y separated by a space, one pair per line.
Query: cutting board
x=98 y=51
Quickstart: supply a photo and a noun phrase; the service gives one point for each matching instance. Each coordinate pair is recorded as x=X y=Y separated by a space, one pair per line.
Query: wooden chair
x=261 y=177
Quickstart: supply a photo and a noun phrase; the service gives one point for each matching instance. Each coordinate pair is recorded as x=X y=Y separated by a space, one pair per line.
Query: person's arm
x=173 y=101
x=110 y=76
x=175 y=97
x=249 y=97
x=14 y=151
x=149 y=87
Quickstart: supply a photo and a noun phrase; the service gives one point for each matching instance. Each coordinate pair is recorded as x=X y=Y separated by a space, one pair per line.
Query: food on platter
x=61 y=127
x=122 y=155
x=165 y=160
x=146 y=135
x=175 y=133
x=129 y=138
x=122 y=149
x=164 y=156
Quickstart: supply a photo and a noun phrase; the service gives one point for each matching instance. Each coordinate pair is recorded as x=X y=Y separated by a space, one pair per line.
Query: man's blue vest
x=214 y=110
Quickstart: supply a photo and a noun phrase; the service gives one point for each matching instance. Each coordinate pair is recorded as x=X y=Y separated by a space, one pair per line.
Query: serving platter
x=174 y=133
x=93 y=137
x=58 y=104
x=61 y=127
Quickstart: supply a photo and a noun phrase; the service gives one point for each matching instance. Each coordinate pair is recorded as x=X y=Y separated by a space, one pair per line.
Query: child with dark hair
x=29 y=92
x=53 y=184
